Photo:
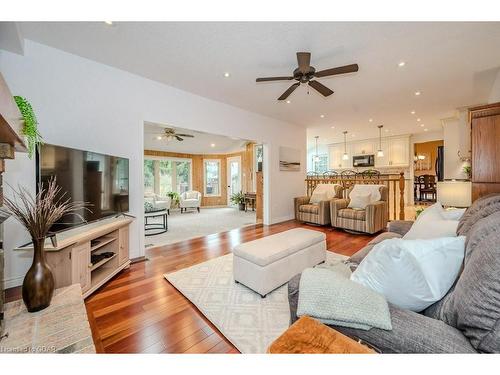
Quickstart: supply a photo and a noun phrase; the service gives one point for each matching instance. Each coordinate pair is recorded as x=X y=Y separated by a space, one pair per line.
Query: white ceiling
x=452 y=64
x=200 y=144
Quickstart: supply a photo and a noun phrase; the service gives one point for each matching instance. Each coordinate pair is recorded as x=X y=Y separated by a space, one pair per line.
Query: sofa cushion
x=432 y=224
x=349 y=213
x=269 y=249
x=473 y=306
x=192 y=195
x=309 y=208
x=360 y=255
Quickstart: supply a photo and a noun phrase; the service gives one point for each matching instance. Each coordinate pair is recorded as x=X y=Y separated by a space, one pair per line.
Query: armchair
x=316 y=208
x=370 y=220
x=190 y=199
x=157 y=202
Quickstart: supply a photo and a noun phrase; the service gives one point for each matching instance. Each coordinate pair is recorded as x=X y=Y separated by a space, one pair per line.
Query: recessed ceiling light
x=370 y=120
x=426 y=129
x=422 y=125
x=417 y=93
x=322 y=116
x=159 y=137
x=226 y=74
x=212 y=145
x=386 y=130
x=333 y=127
x=110 y=23
x=412 y=112
x=353 y=135
x=401 y=64
x=418 y=120
x=288 y=101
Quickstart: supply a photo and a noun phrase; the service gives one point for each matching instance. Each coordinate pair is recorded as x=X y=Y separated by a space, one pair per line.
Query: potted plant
x=239 y=199
x=174 y=198
x=37 y=214
x=467 y=169
x=30 y=127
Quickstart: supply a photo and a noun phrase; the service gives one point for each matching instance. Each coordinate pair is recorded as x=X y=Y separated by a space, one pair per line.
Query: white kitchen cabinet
x=399 y=149
x=366 y=147
x=336 y=154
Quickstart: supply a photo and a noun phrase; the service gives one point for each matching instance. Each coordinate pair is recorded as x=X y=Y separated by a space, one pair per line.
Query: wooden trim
x=484 y=111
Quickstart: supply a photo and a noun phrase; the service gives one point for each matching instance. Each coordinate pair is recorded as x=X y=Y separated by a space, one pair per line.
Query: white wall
x=83 y=104
x=456 y=132
x=495 y=90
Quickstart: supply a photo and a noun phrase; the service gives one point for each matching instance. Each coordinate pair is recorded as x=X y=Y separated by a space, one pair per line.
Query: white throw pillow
x=431 y=223
x=318 y=197
x=453 y=213
x=360 y=201
x=412 y=274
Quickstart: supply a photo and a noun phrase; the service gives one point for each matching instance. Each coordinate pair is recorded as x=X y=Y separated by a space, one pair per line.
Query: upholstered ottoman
x=267 y=263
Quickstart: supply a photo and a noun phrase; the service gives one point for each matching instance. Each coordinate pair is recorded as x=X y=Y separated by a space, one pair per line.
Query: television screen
x=100 y=180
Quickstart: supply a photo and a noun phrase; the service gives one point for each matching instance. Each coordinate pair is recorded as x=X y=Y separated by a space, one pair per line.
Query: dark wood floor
x=140 y=312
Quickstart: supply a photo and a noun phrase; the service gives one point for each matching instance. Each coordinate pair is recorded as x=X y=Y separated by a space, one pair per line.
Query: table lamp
x=454 y=193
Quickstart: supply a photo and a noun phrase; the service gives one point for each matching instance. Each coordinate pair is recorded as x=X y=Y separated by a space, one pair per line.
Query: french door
x=233 y=177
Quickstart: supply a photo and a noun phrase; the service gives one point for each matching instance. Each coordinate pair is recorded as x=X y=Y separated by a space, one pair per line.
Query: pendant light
x=316 y=157
x=345 y=156
x=380 y=152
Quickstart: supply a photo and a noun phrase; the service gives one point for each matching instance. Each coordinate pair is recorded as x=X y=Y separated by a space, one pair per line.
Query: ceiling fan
x=169 y=134
x=305 y=74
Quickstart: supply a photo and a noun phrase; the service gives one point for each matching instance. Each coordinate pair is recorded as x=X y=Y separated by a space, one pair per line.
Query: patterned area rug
x=250 y=322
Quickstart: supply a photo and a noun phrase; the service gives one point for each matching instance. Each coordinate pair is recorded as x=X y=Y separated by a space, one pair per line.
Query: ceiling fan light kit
x=169 y=134
x=305 y=73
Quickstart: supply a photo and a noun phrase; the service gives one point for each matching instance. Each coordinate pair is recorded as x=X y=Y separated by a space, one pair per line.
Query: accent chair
x=316 y=208
x=373 y=218
x=190 y=199
x=157 y=202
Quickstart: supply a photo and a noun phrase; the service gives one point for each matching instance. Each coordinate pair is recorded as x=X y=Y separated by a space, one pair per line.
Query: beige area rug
x=250 y=322
x=192 y=224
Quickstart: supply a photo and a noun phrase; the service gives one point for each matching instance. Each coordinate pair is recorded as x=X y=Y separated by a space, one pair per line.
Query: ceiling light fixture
x=316 y=157
x=109 y=23
x=333 y=127
x=159 y=138
x=418 y=120
x=426 y=130
x=380 y=152
x=370 y=120
x=288 y=101
x=226 y=74
x=412 y=112
x=322 y=116
x=422 y=125
x=417 y=93
x=212 y=145
x=401 y=64
x=345 y=156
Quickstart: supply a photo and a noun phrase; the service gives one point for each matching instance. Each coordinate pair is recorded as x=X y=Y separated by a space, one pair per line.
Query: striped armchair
x=316 y=208
x=372 y=219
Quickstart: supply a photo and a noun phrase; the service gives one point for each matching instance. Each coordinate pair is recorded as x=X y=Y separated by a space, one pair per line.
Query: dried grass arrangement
x=37 y=213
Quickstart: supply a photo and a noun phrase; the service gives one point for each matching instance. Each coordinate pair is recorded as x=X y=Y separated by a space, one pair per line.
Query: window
x=321 y=165
x=212 y=177
x=162 y=176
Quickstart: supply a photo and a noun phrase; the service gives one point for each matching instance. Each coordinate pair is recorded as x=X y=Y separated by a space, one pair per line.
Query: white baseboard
x=13 y=282
x=282 y=218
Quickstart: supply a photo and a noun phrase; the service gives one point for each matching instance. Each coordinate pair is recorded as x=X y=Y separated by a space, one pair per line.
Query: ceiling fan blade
x=322 y=89
x=304 y=60
x=338 y=70
x=186 y=135
x=287 y=93
x=267 y=79
x=178 y=138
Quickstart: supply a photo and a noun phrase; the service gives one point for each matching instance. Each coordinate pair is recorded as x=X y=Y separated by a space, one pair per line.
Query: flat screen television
x=98 y=179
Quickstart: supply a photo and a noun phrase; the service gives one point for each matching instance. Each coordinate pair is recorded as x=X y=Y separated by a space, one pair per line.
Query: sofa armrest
x=335 y=206
x=411 y=332
x=299 y=201
x=376 y=216
x=400 y=226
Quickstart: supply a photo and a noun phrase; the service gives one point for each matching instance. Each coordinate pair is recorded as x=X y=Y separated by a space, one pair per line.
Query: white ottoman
x=267 y=263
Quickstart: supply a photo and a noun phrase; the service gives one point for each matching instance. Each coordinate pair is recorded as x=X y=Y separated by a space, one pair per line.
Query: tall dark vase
x=38 y=284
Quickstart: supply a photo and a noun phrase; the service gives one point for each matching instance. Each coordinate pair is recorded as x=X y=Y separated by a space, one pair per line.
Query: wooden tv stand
x=70 y=258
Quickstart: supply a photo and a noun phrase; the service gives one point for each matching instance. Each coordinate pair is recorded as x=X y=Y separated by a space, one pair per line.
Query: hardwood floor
x=140 y=312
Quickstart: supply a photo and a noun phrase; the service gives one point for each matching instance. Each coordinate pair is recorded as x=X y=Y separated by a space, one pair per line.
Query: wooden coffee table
x=309 y=336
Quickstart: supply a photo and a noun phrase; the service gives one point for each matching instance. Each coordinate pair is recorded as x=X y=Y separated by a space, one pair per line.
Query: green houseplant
x=174 y=198
x=239 y=199
x=30 y=127
x=37 y=214
x=467 y=169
